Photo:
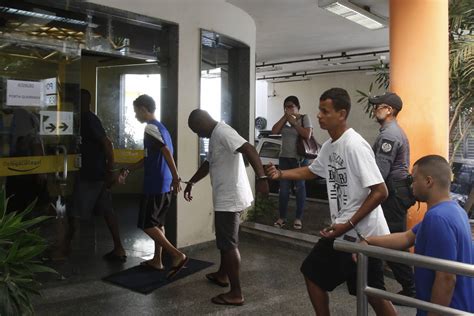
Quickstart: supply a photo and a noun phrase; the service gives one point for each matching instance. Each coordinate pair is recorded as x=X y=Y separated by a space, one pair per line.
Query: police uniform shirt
x=392 y=152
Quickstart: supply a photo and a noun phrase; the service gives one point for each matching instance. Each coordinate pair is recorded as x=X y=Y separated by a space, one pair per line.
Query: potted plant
x=20 y=246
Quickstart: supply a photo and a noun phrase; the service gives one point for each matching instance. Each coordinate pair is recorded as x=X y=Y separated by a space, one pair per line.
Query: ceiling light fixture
x=353 y=13
x=45 y=16
x=261 y=69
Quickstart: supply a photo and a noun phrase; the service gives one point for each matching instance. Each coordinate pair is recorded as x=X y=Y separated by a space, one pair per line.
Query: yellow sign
x=15 y=166
x=127 y=155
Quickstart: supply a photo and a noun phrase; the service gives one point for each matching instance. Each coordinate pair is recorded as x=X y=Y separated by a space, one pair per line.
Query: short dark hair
x=85 y=96
x=293 y=100
x=146 y=102
x=436 y=167
x=340 y=99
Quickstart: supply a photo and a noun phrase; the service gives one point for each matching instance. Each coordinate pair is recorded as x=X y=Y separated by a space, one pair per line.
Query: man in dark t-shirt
x=92 y=187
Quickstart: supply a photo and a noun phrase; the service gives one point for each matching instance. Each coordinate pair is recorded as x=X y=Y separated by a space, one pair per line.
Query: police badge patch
x=386 y=147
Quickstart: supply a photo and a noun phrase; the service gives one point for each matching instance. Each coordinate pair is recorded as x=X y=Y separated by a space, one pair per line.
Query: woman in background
x=290 y=126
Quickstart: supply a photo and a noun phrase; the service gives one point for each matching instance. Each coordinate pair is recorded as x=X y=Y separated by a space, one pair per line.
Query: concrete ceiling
x=299 y=29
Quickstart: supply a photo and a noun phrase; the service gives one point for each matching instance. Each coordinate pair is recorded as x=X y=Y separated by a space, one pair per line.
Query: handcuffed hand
x=187 y=192
x=272 y=172
x=176 y=185
x=124 y=172
x=334 y=231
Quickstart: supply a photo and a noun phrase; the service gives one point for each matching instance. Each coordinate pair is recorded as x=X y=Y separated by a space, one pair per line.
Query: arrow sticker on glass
x=56 y=123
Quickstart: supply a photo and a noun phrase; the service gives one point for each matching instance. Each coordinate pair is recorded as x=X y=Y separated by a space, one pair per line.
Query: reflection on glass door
x=39 y=88
x=225 y=83
x=132 y=87
x=211 y=92
x=117 y=87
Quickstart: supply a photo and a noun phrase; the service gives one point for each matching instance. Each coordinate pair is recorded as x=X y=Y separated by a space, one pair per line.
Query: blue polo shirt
x=157 y=175
x=445 y=233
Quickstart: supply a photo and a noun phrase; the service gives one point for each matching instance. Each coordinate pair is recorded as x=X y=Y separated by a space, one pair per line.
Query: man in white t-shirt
x=231 y=194
x=355 y=190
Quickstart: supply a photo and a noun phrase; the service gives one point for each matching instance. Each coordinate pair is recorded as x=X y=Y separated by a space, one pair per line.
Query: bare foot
x=157 y=265
x=228 y=299
x=221 y=280
x=119 y=252
x=178 y=259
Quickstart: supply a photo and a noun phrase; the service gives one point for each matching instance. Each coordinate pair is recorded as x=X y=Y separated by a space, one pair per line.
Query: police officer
x=392 y=154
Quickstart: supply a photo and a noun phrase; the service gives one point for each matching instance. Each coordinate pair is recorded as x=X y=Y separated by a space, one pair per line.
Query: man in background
x=92 y=187
x=231 y=194
x=392 y=154
x=443 y=233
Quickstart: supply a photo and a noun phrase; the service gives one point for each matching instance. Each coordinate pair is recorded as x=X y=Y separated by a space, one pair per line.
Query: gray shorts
x=227 y=230
x=91 y=198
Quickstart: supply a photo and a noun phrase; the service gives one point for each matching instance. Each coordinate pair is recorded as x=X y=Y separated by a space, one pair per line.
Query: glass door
x=39 y=103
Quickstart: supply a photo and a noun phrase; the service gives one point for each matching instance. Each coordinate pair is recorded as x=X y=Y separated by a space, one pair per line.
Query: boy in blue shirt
x=160 y=180
x=444 y=233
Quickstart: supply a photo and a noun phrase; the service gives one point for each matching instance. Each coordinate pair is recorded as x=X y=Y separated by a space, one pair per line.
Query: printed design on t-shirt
x=386 y=147
x=337 y=182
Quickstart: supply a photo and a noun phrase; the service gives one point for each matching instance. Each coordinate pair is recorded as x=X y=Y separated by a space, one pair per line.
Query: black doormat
x=145 y=280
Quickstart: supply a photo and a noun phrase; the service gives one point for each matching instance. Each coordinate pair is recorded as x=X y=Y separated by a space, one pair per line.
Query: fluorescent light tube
x=355 y=14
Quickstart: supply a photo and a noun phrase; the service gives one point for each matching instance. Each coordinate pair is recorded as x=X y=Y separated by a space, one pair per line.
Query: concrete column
x=419 y=73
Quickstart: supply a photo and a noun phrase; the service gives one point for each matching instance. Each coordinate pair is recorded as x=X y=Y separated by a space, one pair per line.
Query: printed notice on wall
x=56 y=123
x=23 y=93
x=31 y=93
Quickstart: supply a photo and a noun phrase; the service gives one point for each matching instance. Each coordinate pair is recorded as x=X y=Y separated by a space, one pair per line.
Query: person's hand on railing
x=354 y=255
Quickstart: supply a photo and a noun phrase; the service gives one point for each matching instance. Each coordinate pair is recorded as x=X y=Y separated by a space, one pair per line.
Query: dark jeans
x=285 y=188
x=396 y=217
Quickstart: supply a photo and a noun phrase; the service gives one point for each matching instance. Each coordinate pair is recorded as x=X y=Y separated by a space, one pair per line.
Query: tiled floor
x=271 y=281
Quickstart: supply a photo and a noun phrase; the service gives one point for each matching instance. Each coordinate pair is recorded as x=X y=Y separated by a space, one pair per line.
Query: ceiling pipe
x=322 y=57
x=305 y=73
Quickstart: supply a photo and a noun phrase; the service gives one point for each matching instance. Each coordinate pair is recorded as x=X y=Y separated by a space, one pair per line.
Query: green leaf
x=29 y=208
x=3 y=202
x=13 y=252
x=362 y=93
x=26 y=253
x=38 y=268
x=7 y=305
x=34 y=221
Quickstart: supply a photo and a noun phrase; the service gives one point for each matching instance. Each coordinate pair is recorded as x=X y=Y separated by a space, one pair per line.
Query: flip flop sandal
x=297 y=226
x=214 y=280
x=147 y=264
x=174 y=270
x=278 y=224
x=220 y=300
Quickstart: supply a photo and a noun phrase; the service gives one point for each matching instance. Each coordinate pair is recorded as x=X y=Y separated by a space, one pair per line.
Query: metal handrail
x=365 y=251
x=62 y=177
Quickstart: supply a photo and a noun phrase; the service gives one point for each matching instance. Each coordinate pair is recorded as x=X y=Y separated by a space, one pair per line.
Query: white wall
x=261 y=98
x=308 y=92
x=195 y=219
